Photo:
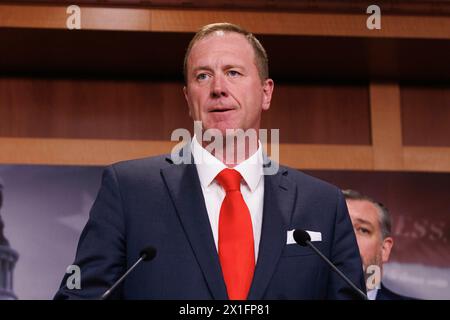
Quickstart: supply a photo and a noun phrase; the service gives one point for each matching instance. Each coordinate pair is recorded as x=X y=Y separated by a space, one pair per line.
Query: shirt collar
x=372 y=294
x=208 y=166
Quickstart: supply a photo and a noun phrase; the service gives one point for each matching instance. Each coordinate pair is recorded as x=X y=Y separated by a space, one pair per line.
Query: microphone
x=146 y=254
x=304 y=239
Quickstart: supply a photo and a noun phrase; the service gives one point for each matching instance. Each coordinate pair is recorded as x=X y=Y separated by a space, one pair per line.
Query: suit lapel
x=279 y=199
x=186 y=193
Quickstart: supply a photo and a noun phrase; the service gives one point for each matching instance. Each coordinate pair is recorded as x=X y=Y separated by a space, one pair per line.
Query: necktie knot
x=229 y=179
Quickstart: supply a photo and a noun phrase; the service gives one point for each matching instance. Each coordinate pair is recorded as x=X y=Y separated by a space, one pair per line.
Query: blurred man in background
x=372 y=224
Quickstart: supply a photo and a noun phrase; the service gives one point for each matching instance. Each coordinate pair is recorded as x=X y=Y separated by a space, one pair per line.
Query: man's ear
x=187 y=100
x=267 y=93
x=386 y=248
x=185 y=93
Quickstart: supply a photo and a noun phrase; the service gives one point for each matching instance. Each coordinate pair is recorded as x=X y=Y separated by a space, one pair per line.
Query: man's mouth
x=221 y=110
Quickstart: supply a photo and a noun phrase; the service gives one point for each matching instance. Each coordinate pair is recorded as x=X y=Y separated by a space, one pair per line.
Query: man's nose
x=219 y=87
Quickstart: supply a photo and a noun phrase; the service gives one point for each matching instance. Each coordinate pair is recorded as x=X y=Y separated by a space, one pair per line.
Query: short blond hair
x=261 y=59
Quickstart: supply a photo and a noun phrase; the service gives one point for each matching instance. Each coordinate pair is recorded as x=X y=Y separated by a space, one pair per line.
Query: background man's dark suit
x=386 y=294
x=155 y=202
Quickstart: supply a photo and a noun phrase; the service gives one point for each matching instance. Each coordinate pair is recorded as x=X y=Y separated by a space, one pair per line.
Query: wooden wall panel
x=426 y=159
x=84 y=152
x=386 y=125
x=190 y=20
x=320 y=113
x=159 y=56
x=107 y=109
x=98 y=109
x=433 y=7
x=425 y=115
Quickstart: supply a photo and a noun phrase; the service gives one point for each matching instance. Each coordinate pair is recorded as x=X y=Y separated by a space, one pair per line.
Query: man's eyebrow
x=226 y=67
x=202 y=68
x=363 y=221
x=232 y=66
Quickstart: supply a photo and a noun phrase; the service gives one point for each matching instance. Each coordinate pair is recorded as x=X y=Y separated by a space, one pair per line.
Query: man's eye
x=202 y=76
x=233 y=73
x=363 y=230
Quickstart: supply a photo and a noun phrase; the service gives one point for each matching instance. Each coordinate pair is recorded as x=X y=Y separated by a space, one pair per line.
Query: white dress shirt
x=372 y=294
x=252 y=187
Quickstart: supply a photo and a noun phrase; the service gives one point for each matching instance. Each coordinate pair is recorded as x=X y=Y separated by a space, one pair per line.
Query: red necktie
x=236 y=246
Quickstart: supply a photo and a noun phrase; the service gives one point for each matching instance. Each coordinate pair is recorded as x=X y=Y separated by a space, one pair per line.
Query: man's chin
x=223 y=129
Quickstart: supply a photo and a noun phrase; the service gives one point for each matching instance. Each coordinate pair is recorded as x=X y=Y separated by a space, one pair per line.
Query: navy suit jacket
x=155 y=202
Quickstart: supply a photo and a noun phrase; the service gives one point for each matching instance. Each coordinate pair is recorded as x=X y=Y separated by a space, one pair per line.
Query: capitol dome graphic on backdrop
x=8 y=258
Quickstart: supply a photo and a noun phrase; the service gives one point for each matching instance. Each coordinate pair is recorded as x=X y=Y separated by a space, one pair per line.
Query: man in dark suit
x=372 y=224
x=223 y=225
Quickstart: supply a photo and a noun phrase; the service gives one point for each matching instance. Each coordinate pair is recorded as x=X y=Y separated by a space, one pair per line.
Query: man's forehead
x=228 y=50
x=221 y=39
x=363 y=209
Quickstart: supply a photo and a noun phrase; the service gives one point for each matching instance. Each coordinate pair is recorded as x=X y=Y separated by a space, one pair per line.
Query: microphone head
x=301 y=237
x=148 y=253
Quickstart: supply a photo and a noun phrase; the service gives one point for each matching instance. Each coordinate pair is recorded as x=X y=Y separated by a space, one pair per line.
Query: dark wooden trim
x=434 y=7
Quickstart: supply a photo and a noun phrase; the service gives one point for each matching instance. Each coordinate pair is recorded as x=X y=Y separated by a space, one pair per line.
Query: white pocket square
x=315 y=236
